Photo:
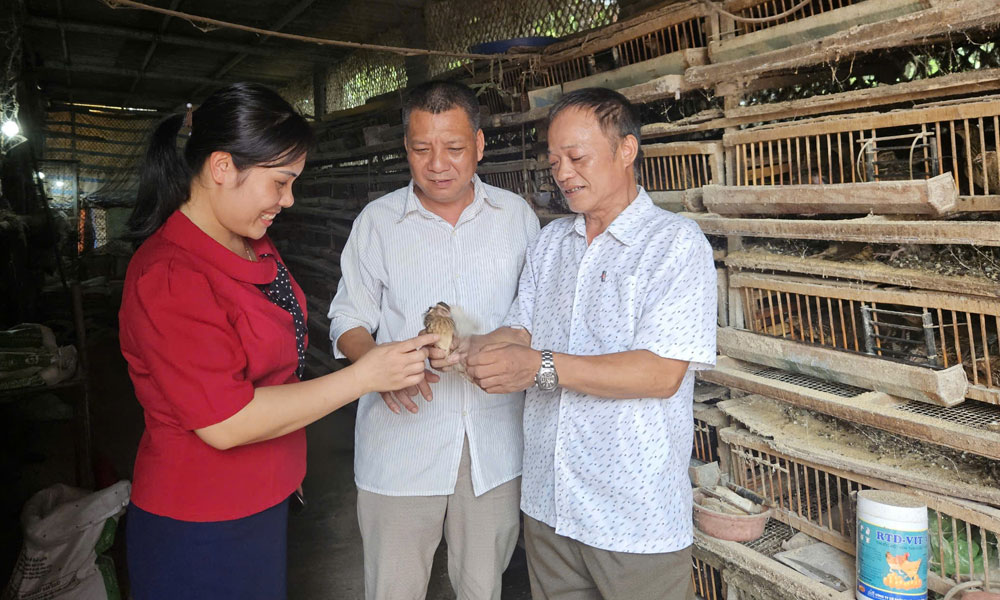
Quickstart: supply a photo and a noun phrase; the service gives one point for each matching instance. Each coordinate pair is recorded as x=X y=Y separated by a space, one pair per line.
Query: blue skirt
x=242 y=559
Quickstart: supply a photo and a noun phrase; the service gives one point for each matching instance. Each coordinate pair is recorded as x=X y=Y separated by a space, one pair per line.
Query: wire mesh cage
x=458 y=25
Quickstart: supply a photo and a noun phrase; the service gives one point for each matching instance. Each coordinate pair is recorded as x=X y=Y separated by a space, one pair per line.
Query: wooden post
x=734 y=243
x=320 y=103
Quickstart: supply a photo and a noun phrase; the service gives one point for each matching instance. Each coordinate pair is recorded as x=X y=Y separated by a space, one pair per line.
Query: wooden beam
x=802 y=30
x=944 y=111
x=705 y=120
x=151 y=50
x=639 y=73
x=681 y=148
x=121 y=72
x=769 y=426
x=874 y=229
x=746 y=569
x=944 y=387
x=933 y=197
x=942 y=18
x=865 y=293
x=956 y=84
x=206 y=43
x=873 y=408
x=867 y=271
x=289 y=16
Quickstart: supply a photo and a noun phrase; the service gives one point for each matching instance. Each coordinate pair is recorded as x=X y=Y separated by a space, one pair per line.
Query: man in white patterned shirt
x=454 y=464
x=616 y=310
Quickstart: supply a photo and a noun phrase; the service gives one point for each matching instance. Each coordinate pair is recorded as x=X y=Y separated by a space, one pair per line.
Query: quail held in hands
x=451 y=324
x=438 y=320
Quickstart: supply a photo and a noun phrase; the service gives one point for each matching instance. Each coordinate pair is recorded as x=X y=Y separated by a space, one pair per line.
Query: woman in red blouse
x=214 y=331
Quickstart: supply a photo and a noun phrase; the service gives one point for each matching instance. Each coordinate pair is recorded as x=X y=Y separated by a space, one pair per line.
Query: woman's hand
x=394 y=366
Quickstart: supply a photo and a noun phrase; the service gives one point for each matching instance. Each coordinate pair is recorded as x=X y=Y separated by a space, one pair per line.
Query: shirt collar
x=626 y=226
x=480 y=195
x=181 y=231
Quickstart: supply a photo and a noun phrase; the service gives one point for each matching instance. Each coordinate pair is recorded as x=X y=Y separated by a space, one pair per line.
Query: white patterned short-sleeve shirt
x=613 y=473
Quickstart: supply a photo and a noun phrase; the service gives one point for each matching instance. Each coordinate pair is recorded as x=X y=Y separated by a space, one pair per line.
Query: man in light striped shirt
x=452 y=465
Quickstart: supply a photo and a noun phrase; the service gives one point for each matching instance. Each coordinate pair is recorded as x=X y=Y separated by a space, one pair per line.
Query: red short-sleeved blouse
x=199 y=336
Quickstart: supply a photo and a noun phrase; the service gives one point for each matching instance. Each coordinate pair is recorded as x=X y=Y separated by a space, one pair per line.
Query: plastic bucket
x=892 y=547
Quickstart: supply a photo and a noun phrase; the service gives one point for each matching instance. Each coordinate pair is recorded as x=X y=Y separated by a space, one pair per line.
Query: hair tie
x=188 y=118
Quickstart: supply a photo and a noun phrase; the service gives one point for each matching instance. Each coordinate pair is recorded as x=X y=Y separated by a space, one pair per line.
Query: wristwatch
x=546 y=378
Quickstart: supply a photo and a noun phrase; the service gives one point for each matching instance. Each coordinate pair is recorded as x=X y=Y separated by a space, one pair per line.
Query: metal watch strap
x=547 y=361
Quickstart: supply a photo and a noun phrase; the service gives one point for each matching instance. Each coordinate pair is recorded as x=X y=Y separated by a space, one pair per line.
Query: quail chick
x=448 y=323
x=438 y=320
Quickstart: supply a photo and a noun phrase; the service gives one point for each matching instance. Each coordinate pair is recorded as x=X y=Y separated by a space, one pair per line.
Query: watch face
x=547 y=380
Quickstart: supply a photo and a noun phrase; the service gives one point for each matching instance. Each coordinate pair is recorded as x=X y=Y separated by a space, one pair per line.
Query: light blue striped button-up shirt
x=399 y=260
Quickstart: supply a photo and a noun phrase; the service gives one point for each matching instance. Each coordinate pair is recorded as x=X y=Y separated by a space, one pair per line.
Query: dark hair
x=249 y=121
x=437 y=97
x=617 y=116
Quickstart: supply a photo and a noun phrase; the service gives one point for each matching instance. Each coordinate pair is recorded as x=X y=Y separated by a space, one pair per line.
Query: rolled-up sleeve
x=679 y=315
x=185 y=343
x=359 y=292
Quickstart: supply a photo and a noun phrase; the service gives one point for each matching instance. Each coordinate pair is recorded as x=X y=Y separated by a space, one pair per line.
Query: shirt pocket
x=611 y=312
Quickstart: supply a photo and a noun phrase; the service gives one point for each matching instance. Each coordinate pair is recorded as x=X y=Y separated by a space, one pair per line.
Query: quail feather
x=438 y=320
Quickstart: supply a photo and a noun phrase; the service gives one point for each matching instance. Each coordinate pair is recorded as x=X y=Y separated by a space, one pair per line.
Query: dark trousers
x=242 y=559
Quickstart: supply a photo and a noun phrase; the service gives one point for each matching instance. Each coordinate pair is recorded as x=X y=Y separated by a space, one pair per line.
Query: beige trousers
x=561 y=568
x=401 y=533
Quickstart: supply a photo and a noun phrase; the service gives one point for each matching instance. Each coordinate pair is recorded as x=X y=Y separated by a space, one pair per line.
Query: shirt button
x=465 y=413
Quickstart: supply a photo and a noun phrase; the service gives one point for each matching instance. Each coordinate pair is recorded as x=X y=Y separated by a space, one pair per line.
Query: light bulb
x=10 y=128
x=41 y=175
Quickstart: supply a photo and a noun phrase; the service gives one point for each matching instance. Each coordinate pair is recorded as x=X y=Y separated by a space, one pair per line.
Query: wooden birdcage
x=816 y=499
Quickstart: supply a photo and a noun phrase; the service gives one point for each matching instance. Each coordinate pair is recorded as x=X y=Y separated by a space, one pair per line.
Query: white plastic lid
x=892 y=506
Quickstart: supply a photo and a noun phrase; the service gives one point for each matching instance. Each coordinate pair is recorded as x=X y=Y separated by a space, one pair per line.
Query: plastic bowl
x=733 y=528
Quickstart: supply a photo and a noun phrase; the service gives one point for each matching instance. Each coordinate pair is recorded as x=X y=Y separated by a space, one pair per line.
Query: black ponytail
x=164 y=181
x=249 y=121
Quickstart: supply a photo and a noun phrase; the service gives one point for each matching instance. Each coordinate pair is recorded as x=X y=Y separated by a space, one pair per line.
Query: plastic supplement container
x=892 y=547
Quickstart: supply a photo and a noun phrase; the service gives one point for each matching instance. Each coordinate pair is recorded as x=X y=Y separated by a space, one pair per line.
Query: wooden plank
x=986 y=80
x=873 y=408
x=681 y=148
x=764 y=417
x=510 y=165
x=945 y=387
x=935 y=197
x=519 y=118
x=754 y=573
x=705 y=120
x=673 y=201
x=811 y=28
x=872 y=229
x=943 y=18
x=669 y=64
x=866 y=271
x=356 y=153
x=945 y=111
x=864 y=293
